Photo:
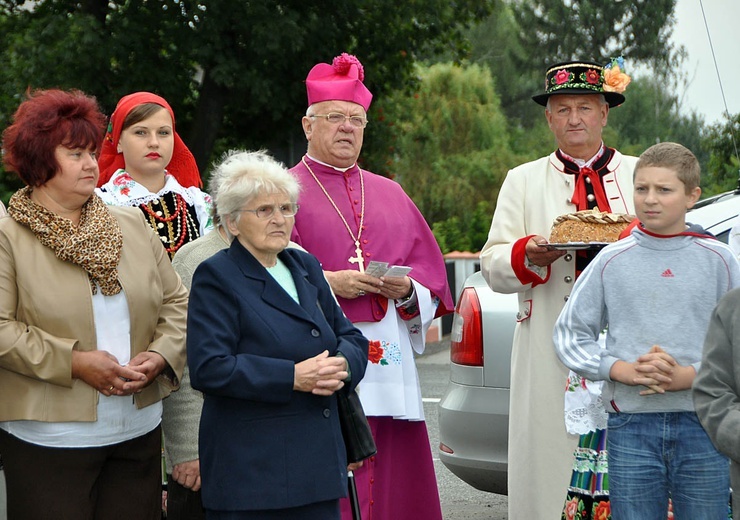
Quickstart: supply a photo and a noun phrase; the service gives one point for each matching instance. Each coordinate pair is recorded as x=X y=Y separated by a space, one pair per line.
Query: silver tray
x=576 y=246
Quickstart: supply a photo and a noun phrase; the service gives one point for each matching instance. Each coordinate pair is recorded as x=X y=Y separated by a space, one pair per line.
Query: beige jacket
x=46 y=312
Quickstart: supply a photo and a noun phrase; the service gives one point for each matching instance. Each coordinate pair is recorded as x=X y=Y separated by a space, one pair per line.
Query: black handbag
x=358 y=438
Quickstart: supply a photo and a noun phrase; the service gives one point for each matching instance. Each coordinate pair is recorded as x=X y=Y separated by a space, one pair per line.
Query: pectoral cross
x=358 y=259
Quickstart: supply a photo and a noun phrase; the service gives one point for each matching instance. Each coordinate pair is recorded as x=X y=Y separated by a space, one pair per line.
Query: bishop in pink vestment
x=348 y=218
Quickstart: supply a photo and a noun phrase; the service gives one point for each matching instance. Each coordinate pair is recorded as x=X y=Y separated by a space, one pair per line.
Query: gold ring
x=110 y=389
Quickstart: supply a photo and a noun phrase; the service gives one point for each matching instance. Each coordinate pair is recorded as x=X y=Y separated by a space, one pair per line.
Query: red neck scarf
x=594 y=174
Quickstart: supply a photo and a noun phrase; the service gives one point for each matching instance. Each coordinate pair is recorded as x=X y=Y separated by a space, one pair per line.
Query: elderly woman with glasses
x=269 y=347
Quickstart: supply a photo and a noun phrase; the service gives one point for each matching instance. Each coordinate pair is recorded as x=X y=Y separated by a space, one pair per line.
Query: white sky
x=723 y=20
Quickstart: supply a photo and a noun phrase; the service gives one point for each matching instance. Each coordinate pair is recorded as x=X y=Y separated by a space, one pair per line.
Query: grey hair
x=214 y=183
x=242 y=176
x=602 y=99
x=310 y=111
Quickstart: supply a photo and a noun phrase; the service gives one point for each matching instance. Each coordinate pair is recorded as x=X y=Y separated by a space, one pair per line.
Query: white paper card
x=379 y=269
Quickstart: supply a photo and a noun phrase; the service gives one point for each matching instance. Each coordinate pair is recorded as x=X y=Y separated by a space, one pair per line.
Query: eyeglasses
x=286 y=210
x=336 y=118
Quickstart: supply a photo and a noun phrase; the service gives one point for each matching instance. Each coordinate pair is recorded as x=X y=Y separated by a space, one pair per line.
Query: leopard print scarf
x=95 y=244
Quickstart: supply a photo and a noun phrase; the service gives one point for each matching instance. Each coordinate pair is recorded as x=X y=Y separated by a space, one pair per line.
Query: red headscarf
x=182 y=165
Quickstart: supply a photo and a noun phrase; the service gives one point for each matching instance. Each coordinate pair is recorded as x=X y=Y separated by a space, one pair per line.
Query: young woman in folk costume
x=144 y=163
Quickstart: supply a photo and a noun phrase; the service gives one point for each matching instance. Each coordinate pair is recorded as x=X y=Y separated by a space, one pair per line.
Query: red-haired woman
x=145 y=164
x=92 y=327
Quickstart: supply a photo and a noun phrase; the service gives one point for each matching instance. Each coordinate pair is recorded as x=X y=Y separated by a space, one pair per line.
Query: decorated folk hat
x=585 y=77
x=340 y=81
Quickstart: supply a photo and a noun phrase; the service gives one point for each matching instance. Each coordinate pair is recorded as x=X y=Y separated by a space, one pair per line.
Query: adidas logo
x=667 y=274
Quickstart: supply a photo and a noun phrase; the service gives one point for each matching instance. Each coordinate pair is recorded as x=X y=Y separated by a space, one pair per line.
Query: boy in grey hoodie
x=654 y=291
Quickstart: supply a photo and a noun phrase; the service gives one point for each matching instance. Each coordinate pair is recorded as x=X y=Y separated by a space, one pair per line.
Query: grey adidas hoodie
x=649 y=290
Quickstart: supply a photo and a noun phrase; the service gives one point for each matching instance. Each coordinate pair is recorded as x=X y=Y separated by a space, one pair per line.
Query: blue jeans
x=653 y=456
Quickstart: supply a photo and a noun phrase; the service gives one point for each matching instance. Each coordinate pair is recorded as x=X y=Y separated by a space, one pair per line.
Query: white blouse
x=118 y=418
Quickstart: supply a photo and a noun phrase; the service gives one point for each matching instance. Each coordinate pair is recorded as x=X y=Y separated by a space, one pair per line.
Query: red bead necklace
x=181 y=213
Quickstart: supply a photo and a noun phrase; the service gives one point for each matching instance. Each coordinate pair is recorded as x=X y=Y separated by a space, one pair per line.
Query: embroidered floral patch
x=591 y=76
x=602 y=510
x=586 y=508
x=562 y=76
x=574 y=382
x=383 y=353
x=123 y=184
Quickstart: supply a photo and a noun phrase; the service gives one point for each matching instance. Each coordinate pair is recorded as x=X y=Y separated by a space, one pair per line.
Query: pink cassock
x=394 y=231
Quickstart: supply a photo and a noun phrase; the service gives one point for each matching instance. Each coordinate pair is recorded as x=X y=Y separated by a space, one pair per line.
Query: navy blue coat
x=262 y=444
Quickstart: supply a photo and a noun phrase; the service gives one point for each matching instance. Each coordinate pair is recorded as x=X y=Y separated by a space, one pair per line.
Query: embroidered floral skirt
x=588 y=493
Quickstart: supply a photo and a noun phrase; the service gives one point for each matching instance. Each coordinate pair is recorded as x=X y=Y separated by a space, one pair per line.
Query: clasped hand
x=187 y=474
x=656 y=370
x=102 y=371
x=352 y=284
x=320 y=375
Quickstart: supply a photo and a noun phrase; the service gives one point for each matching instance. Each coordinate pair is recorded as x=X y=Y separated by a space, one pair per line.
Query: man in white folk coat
x=581 y=174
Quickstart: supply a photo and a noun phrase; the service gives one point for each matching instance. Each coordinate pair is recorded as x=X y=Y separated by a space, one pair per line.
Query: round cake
x=588 y=226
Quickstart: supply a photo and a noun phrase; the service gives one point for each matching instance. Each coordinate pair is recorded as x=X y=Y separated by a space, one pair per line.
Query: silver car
x=474 y=412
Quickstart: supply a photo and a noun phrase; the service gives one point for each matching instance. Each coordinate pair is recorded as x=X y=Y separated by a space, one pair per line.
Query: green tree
x=450 y=150
x=496 y=43
x=652 y=115
x=105 y=48
x=233 y=70
x=573 y=29
x=720 y=142
x=519 y=40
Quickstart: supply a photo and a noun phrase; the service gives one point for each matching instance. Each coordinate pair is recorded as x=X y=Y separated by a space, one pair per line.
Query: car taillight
x=466 y=345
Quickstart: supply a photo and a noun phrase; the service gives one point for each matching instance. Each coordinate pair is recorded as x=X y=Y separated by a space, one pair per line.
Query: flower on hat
x=592 y=76
x=614 y=79
x=344 y=61
x=562 y=76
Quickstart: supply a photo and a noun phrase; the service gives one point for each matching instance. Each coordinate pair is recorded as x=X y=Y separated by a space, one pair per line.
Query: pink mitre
x=340 y=81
